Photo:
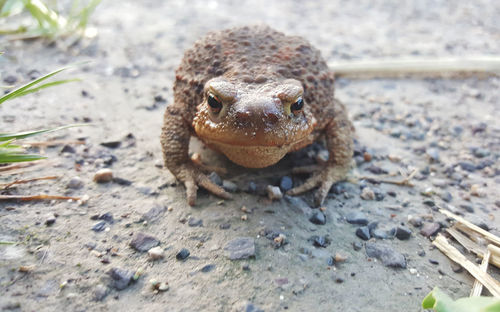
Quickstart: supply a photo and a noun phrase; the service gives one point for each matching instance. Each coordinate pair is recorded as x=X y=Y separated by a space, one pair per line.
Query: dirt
x=446 y=129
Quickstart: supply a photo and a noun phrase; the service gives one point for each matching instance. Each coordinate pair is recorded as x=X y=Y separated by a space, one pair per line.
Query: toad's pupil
x=214 y=103
x=298 y=105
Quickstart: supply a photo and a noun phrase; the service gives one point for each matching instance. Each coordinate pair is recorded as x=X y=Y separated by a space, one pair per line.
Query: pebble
x=215 y=178
x=229 y=186
x=155 y=253
x=75 y=183
x=467 y=166
x=68 y=149
x=415 y=221
x=380 y=234
x=386 y=254
x=122 y=181
x=357 y=246
x=195 y=222
x=481 y=152
x=363 y=233
x=357 y=217
x=207 y=268
x=120 y=278
x=99 y=226
x=182 y=255
x=402 y=233
x=430 y=229
x=50 y=219
x=274 y=192
x=249 y=307
x=457 y=268
x=286 y=184
x=367 y=194
x=432 y=261
x=103 y=176
x=143 y=242
x=100 y=292
x=154 y=213
x=413 y=271
x=320 y=241
x=318 y=218
x=240 y=248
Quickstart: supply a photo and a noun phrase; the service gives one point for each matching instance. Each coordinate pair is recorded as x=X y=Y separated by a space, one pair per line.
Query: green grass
x=10 y=152
x=46 y=20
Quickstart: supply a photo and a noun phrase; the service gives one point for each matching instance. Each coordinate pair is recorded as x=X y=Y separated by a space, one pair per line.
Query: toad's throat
x=256 y=156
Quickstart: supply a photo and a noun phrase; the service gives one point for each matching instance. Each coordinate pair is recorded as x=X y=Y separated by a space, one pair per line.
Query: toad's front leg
x=338 y=133
x=175 y=145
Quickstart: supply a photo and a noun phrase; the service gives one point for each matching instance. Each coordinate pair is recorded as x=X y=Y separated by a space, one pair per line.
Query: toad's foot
x=324 y=179
x=196 y=159
x=192 y=177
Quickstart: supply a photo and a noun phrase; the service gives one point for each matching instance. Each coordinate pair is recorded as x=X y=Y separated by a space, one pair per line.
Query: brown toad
x=255 y=94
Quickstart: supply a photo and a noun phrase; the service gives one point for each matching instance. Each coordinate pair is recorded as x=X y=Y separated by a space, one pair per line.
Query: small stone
x=163 y=286
x=363 y=233
x=193 y=222
x=357 y=217
x=357 y=246
x=215 y=178
x=286 y=184
x=68 y=149
x=229 y=186
x=421 y=253
x=432 y=261
x=402 y=233
x=380 y=234
x=50 y=219
x=154 y=213
x=10 y=79
x=415 y=221
x=182 y=255
x=99 y=226
x=318 y=218
x=249 y=307
x=433 y=155
x=386 y=254
x=367 y=194
x=103 y=176
x=143 y=242
x=100 y=292
x=320 y=241
x=120 y=278
x=274 y=192
x=430 y=229
x=75 y=183
x=481 y=152
x=207 y=268
x=467 y=166
x=111 y=144
x=240 y=248
x=155 y=253
x=457 y=268
x=413 y=271
x=122 y=181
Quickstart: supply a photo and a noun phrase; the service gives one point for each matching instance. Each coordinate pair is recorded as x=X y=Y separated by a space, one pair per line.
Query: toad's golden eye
x=297 y=106
x=214 y=103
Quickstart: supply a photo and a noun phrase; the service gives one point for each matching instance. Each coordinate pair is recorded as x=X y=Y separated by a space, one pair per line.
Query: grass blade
x=18 y=156
x=25 y=134
x=18 y=91
x=46 y=85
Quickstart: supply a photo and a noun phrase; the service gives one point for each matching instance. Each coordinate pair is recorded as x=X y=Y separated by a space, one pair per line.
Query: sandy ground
x=446 y=129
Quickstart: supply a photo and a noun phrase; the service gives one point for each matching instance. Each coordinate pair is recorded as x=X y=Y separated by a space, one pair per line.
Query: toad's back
x=254 y=54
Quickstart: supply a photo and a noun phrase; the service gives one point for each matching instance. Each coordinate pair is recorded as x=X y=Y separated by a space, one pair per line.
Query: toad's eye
x=297 y=106
x=214 y=103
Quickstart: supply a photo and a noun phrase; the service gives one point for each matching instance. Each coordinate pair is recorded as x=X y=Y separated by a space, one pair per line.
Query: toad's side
x=255 y=94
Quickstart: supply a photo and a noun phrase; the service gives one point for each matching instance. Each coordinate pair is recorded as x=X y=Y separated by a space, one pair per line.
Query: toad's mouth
x=256 y=156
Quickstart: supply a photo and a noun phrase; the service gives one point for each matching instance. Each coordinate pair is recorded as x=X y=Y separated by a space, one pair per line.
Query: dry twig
x=37 y=197
x=7 y=185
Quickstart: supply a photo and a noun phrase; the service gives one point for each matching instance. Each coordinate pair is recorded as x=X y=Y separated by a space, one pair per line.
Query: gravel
x=386 y=254
x=240 y=248
x=143 y=242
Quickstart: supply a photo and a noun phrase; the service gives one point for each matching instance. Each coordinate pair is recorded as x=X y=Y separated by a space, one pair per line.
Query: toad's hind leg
x=175 y=144
x=338 y=133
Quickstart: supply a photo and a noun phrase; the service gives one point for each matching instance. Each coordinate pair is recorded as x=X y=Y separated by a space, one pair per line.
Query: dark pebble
x=392 y=193
x=286 y=183
x=421 y=253
x=68 y=149
x=467 y=166
x=111 y=144
x=108 y=217
x=467 y=208
x=330 y=261
x=143 y=242
x=430 y=229
x=99 y=226
x=182 y=254
x=429 y=203
x=379 y=194
x=380 y=234
x=208 y=268
x=215 y=178
x=229 y=186
x=446 y=196
x=457 y=268
x=318 y=218
x=51 y=219
x=122 y=181
x=356 y=217
x=154 y=213
x=10 y=79
x=252 y=187
x=339 y=280
x=403 y=233
x=120 y=279
x=320 y=241
x=357 y=246
x=363 y=233
x=386 y=254
x=225 y=226
x=376 y=170
x=432 y=261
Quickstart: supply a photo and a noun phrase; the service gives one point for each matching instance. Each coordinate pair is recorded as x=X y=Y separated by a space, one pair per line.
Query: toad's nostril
x=243 y=115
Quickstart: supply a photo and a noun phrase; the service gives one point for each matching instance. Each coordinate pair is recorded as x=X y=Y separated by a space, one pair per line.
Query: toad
x=255 y=94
